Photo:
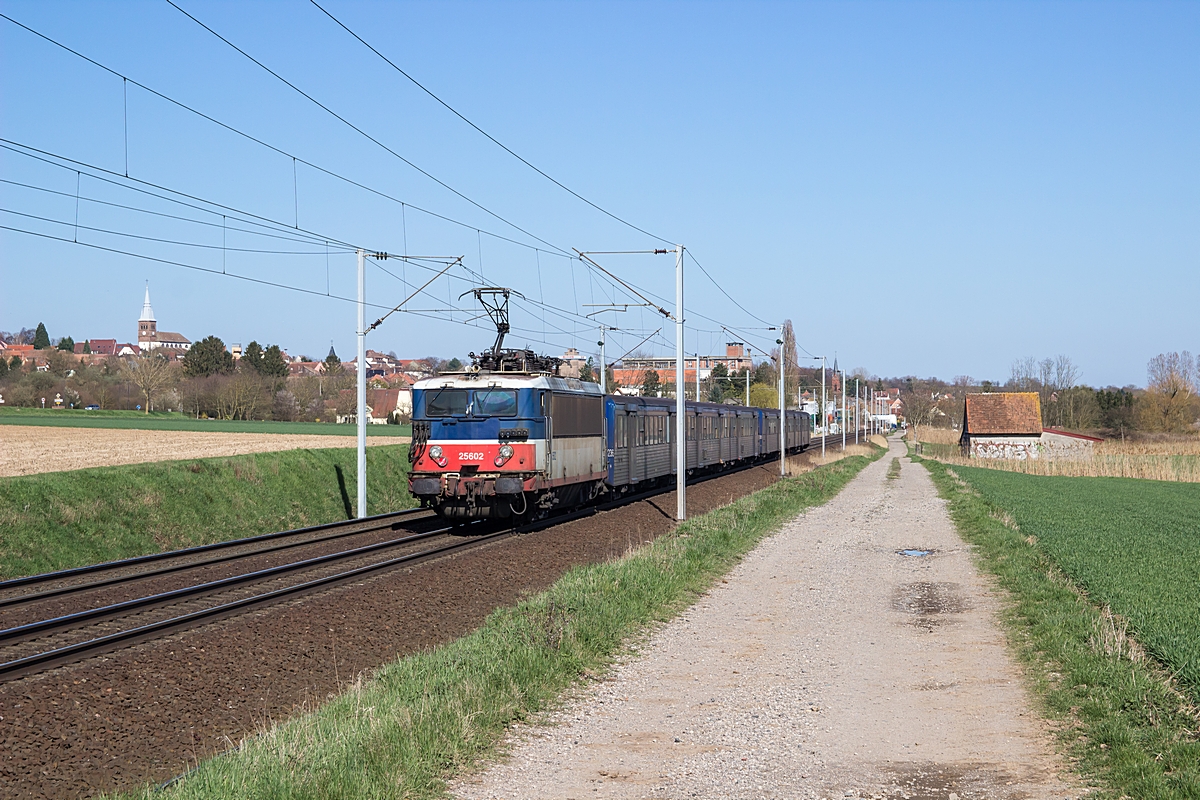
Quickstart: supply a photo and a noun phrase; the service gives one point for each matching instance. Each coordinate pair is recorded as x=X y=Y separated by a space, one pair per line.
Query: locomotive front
x=482 y=444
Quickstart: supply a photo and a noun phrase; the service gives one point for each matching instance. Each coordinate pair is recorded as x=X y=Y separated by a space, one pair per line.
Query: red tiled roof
x=1003 y=413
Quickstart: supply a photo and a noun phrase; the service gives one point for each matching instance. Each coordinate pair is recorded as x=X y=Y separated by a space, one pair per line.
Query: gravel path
x=828 y=666
x=30 y=449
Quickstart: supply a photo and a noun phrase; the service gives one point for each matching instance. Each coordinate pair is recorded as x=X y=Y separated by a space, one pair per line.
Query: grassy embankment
x=170 y=421
x=58 y=520
x=425 y=718
x=1104 y=576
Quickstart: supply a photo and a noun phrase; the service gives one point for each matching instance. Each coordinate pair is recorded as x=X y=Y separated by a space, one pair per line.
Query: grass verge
x=58 y=520
x=168 y=421
x=1118 y=713
x=420 y=720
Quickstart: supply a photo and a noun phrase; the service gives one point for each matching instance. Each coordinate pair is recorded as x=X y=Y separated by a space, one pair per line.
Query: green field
x=1063 y=549
x=1133 y=545
x=167 y=421
x=58 y=520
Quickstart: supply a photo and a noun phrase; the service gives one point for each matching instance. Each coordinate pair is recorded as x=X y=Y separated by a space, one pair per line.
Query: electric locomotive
x=481 y=444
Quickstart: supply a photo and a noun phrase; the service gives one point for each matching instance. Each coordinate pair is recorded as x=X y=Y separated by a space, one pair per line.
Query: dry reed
x=1177 y=460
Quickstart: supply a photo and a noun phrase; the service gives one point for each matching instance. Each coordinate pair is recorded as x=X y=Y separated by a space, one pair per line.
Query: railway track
x=58 y=618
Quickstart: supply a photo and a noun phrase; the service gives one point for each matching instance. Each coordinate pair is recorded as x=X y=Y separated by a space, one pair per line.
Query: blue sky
x=999 y=179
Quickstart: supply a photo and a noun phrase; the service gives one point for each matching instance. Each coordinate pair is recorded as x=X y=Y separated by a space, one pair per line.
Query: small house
x=1002 y=425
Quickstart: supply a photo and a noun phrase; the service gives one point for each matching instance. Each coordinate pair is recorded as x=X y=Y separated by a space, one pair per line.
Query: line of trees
x=1170 y=402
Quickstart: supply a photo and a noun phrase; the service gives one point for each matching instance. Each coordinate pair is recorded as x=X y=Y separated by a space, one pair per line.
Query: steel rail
x=44 y=577
x=340 y=532
x=64 y=655
x=70 y=653
x=68 y=621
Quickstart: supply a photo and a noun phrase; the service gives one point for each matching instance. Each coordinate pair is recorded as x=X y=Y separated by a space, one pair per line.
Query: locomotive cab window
x=446 y=403
x=495 y=403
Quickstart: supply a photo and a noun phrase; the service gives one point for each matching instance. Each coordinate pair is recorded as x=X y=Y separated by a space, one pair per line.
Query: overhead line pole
x=782 y=410
x=680 y=395
x=362 y=385
x=844 y=417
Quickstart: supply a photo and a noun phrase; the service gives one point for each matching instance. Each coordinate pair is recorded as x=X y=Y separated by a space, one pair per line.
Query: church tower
x=147 y=327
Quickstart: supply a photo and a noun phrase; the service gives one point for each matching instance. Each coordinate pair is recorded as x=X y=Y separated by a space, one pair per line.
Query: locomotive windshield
x=446 y=403
x=495 y=403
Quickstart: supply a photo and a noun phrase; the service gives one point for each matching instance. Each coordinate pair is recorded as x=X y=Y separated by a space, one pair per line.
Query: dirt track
x=828 y=665
x=27 y=450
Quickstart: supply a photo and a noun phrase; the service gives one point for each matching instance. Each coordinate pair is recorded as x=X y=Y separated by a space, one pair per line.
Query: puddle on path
x=913 y=553
x=926 y=599
x=933 y=781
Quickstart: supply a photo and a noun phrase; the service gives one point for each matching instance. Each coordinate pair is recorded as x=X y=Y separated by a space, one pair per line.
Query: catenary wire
x=487 y=135
x=363 y=133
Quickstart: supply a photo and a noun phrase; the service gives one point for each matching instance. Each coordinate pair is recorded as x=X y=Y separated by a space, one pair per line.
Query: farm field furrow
x=135 y=420
x=1133 y=545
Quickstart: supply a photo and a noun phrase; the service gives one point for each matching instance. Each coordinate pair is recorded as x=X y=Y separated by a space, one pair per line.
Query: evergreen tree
x=87 y=346
x=588 y=372
x=207 y=357
x=41 y=339
x=14 y=364
x=453 y=365
x=252 y=358
x=333 y=364
x=66 y=343
x=3 y=368
x=273 y=364
x=651 y=383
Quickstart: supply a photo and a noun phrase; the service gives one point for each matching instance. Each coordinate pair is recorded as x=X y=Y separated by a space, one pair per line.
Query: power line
x=487 y=135
x=363 y=133
x=11 y=145
x=280 y=151
x=163 y=241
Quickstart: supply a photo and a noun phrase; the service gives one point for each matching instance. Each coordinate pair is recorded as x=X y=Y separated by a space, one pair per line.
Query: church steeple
x=147 y=326
x=147 y=311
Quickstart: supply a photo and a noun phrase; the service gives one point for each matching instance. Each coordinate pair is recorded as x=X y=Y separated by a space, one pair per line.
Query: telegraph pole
x=857 y=411
x=362 y=384
x=680 y=395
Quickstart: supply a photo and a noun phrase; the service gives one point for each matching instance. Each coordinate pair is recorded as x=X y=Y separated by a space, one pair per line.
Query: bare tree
x=1066 y=374
x=151 y=373
x=1023 y=374
x=919 y=406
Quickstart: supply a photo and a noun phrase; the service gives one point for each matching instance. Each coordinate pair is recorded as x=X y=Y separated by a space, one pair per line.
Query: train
x=509 y=438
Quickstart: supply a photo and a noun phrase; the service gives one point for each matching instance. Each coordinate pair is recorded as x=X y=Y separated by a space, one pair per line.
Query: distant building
x=734 y=360
x=1002 y=425
x=151 y=338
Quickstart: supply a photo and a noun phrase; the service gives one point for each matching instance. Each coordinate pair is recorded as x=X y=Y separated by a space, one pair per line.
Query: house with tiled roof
x=1002 y=425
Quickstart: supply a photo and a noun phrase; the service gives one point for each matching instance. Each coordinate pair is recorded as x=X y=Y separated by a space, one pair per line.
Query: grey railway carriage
x=640 y=438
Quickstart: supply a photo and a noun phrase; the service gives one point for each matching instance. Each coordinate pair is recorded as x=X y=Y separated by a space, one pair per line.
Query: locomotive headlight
x=435 y=452
x=506 y=452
